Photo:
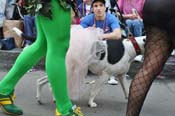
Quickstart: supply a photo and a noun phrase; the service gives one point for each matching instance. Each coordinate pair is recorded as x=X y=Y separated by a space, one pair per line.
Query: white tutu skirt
x=77 y=59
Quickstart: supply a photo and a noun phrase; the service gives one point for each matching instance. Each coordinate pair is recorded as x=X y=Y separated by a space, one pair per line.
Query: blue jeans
x=29 y=27
x=135 y=26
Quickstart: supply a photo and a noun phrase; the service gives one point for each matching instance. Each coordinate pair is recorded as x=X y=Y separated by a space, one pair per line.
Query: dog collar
x=135 y=44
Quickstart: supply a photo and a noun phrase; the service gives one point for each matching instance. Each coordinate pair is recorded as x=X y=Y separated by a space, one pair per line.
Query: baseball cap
x=102 y=1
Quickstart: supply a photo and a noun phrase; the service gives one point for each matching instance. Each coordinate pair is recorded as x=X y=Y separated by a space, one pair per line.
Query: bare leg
x=158 y=49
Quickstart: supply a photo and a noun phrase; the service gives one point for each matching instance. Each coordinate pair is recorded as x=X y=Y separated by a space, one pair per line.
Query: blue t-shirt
x=108 y=25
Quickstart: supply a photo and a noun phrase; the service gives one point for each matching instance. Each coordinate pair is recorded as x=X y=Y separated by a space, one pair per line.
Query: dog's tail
x=21 y=34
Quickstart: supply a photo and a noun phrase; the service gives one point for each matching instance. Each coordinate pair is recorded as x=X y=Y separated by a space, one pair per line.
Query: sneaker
x=138 y=58
x=75 y=111
x=112 y=81
x=7 y=105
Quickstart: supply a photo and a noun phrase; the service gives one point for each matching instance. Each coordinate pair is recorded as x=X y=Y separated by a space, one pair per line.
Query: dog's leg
x=40 y=82
x=50 y=88
x=95 y=89
x=124 y=85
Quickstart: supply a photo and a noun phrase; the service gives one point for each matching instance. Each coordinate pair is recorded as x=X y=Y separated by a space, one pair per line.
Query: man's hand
x=130 y=16
x=101 y=37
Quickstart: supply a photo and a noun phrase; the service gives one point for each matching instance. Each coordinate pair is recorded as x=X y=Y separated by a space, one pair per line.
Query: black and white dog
x=103 y=58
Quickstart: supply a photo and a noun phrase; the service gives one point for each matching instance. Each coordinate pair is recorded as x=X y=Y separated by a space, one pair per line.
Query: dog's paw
x=92 y=105
x=39 y=101
x=127 y=96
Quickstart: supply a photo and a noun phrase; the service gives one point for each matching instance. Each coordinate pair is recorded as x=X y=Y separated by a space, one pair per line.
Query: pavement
x=111 y=102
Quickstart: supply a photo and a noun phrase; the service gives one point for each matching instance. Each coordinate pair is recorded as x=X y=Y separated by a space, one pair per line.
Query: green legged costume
x=52 y=41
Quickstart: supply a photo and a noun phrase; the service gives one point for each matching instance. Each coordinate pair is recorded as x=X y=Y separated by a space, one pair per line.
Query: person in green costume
x=53 y=33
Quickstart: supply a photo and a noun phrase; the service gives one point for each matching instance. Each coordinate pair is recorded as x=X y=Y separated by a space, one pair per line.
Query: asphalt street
x=111 y=102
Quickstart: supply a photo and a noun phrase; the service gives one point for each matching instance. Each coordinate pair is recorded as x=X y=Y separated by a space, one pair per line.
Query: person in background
x=132 y=13
x=100 y=19
x=111 y=7
x=52 y=41
x=29 y=29
x=104 y=20
x=78 y=2
x=85 y=8
x=29 y=25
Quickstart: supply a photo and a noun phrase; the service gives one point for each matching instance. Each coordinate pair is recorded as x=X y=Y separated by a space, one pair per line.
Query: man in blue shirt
x=99 y=18
x=108 y=22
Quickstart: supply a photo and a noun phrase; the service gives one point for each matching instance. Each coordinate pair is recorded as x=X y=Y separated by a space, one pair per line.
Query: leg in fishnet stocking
x=157 y=50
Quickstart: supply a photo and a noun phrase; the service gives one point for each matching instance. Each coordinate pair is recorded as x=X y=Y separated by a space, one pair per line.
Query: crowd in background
x=125 y=13
x=130 y=21
x=130 y=11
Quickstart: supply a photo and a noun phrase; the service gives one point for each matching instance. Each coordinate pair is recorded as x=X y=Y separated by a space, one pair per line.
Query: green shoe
x=7 y=106
x=75 y=111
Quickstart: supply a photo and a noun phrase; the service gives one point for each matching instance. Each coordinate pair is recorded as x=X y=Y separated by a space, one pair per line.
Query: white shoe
x=138 y=58
x=173 y=52
x=112 y=81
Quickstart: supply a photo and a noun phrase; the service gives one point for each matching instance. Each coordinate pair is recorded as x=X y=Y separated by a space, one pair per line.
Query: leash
x=135 y=44
x=123 y=23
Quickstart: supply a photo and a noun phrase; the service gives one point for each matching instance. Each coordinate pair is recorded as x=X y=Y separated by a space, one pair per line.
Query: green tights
x=52 y=41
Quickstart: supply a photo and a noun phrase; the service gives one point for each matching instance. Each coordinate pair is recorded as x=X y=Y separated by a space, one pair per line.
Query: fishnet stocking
x=157 y=50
